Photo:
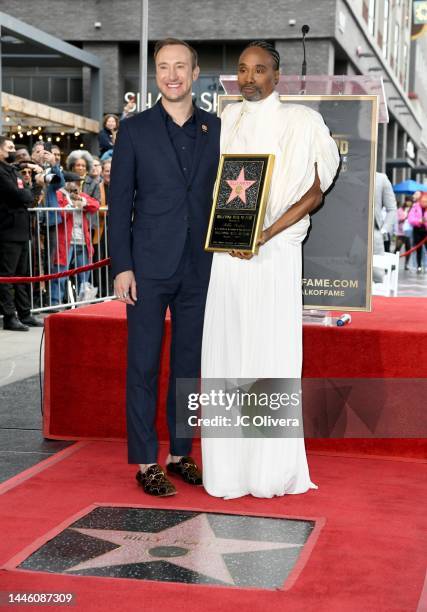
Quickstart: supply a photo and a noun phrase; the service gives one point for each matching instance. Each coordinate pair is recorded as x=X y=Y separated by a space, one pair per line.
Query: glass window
x=58 y=90
x=76 y=91
x=408 y=13
x=372 y=15
x=131 y=86
x=22 y=87
x=396 y=46
x=131 y=83
x=405 y=65
x=232 y=55
x=7 y=84
x=40 y=89
x=386 y=26
x=206 y=90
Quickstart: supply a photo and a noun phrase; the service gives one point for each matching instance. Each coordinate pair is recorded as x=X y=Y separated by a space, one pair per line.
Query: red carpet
x=86 y=360
x=370 y=554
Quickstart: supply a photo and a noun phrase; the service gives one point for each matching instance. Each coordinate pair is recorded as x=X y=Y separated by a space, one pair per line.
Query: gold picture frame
x=240 y=199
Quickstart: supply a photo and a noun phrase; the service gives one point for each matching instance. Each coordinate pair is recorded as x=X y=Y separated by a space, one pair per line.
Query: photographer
x=28 y=169
x=15 y=198
x=102 y=278
x=43 y=173
x=74 y=240
x=22 y=154
x=47 y=174
x=52 y=179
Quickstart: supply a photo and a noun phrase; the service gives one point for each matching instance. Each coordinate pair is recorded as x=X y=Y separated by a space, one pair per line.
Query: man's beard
x=253 y=96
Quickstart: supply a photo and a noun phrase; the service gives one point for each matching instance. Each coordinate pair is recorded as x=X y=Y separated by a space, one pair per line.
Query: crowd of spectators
x=409 y=230
x=400 y=225
x=37 y=241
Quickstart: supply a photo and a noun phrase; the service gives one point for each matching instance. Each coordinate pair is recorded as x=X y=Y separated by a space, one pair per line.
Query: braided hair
x=267 y=47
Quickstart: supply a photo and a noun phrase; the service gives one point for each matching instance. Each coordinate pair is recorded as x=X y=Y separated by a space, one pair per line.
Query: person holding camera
x=102 y=277
x=74 y=239
x=29 y=170
x=47 y=177
x=15 y=199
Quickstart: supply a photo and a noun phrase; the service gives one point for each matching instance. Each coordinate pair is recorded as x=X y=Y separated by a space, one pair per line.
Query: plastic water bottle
x=344 y=319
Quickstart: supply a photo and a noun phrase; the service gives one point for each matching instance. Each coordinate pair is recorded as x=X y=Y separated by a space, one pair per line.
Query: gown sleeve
x=305 y=141
x=326 y=154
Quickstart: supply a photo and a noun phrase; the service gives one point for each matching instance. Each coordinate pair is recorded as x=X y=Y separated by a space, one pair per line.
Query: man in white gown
x=253 y=318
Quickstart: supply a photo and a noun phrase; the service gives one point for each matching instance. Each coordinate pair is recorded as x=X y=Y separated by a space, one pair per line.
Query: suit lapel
x=201 y=139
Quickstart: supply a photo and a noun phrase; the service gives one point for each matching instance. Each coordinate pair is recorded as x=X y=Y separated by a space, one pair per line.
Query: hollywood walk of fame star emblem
x=239 y=187
x=192 y=544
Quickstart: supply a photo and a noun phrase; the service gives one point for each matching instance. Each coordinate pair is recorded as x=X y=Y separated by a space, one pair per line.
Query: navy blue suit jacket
x=152 y=203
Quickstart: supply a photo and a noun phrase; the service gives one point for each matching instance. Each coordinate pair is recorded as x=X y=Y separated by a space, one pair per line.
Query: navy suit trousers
x=185 y=294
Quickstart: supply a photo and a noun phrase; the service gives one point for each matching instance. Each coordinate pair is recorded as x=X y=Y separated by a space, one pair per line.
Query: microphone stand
x=305 y=30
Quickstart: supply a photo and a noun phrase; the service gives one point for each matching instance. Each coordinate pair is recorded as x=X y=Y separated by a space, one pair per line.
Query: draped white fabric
x=253 y=319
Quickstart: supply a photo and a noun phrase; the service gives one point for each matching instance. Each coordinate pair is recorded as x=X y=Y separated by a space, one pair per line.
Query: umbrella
x=409 y=187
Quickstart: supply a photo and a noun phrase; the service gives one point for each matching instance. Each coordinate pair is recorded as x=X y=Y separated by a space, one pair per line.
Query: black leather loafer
x=187 y=469
x=155 y=482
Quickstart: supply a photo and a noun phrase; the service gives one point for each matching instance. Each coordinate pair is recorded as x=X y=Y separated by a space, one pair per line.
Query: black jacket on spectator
x=105 y=139
x=14 y=201
x=91 y=187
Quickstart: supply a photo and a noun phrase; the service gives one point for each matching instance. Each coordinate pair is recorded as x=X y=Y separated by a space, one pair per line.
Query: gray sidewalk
x=21 y=442
x=19 y=354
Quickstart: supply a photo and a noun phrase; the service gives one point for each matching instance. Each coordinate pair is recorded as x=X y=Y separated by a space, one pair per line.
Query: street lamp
x=143 y=52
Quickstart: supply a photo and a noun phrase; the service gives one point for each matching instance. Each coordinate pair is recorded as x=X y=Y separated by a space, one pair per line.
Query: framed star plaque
x=240 y=198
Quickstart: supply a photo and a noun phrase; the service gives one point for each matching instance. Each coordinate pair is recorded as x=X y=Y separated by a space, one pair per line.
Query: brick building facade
x=346 y=37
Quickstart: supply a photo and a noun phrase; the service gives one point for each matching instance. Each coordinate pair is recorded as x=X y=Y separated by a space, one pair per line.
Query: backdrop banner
x=337 y=265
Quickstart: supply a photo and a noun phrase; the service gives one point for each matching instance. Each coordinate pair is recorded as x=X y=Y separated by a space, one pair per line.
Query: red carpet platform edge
x=390 y=342
x=368 y=551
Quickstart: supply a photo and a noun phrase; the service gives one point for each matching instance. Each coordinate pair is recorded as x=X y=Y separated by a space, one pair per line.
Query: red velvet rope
x=47 y=277
x=414 y=248
x=106 y=262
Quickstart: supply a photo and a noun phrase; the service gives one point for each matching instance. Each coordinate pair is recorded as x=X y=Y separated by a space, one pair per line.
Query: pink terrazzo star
x=202 y=549
x=239 y=187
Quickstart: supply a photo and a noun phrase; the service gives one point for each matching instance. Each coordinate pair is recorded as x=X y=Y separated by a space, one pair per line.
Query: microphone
x=305 y=30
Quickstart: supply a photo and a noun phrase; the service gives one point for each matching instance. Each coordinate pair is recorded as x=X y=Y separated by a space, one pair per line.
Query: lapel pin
x=204 y=128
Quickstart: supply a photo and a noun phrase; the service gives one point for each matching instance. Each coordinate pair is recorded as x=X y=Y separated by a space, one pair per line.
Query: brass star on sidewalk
x=192 y=544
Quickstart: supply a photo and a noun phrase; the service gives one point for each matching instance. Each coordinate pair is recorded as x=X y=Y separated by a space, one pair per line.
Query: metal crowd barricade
x=49 y=229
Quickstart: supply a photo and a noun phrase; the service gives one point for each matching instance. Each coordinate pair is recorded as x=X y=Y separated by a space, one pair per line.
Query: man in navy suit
x=163 y=172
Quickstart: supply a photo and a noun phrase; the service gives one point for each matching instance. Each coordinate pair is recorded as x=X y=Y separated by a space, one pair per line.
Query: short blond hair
x=176 y=41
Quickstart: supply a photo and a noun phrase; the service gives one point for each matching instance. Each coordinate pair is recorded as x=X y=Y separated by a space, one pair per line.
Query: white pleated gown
x=253 y=319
